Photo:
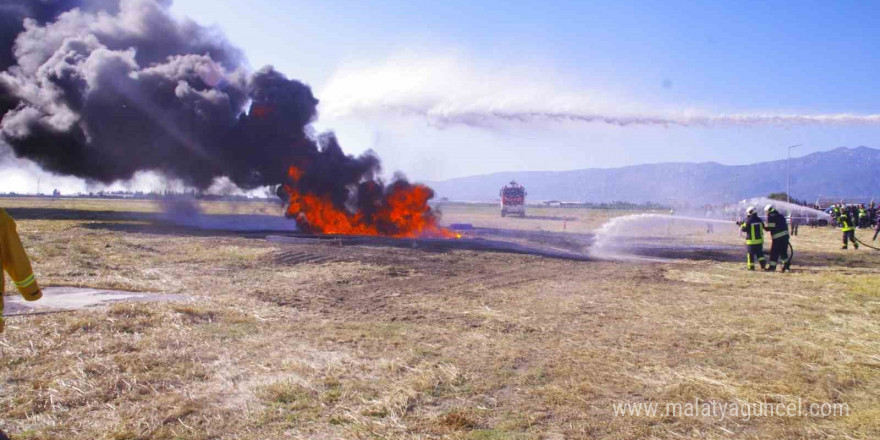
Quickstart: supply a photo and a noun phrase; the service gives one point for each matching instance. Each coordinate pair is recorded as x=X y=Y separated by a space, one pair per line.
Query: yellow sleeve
x=15 y=260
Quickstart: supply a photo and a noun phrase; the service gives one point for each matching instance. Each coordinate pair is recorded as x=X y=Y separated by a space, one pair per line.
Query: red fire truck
x=513 y=199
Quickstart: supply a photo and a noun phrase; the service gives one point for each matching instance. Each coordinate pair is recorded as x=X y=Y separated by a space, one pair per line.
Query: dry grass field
x=553 y=219
x=388 y=343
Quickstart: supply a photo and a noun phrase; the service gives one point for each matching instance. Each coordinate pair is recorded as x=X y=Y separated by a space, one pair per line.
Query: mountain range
x=842 y=173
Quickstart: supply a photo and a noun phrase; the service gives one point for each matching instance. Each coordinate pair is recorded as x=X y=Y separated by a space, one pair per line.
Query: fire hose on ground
x=863 y=244
x=791 y=249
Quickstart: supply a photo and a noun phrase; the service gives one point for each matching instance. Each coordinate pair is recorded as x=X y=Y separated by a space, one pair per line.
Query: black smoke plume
x=106 y=88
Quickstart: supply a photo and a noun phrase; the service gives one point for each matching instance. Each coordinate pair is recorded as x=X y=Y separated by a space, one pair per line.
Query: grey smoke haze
x=103 y=89
x=186 y=212
x=14 y=12
x=109 y=88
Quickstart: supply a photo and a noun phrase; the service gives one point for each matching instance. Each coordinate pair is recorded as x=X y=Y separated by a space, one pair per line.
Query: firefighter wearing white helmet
x=754 y=229
x=777 y=227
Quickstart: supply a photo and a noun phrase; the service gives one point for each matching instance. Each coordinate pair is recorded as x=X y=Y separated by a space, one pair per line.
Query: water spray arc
x=630 y=237
x=644 y=236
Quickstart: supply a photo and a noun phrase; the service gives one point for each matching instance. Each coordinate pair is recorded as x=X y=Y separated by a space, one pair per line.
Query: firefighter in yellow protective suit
x=15 y=262
x=848 y=229
x=754 y=229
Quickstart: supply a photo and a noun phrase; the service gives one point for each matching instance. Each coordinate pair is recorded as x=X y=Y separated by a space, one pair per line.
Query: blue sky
x=800 y=55
x=739 y=57
x=633 y=57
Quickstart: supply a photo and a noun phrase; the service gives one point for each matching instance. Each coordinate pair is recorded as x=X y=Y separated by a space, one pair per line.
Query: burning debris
x=398 y=210
x=102 y=89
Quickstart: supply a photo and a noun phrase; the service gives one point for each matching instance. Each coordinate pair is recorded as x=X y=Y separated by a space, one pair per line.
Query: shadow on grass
x=858 y=259
x=160 y=227
x=79 y=214
x=735 y=254
x=128 y=222
x=156 y=224
x=144 y=222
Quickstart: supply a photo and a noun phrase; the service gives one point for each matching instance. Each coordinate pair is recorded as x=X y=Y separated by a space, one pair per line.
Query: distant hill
x=839 y=173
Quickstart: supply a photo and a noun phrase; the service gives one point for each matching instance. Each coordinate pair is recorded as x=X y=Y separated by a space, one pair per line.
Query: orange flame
x=404 y=212
x=295 y=173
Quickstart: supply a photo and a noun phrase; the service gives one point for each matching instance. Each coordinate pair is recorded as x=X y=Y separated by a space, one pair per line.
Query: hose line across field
x=865 y=245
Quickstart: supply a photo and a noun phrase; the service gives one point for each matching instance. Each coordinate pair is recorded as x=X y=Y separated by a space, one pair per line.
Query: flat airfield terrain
x=318 y=340
x=553 y=219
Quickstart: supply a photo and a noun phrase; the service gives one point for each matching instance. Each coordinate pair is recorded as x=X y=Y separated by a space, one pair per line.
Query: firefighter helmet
x=750 y=210
x=769 y=207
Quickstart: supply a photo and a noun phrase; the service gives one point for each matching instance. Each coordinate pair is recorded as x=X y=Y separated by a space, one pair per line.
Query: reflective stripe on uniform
x=755 y=232
x=780 y=234
x=771 y=225
x=25 y=282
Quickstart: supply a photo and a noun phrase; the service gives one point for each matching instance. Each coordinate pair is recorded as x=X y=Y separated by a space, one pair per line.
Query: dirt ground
x=318 y=340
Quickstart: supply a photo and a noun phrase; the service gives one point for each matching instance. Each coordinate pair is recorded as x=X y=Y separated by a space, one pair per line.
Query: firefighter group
x=777 y=228
x=851 y=217
x=847 y=218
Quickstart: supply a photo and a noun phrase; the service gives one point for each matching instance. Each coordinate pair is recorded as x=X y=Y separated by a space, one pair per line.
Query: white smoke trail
x=446 y=91
x=479 y=119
